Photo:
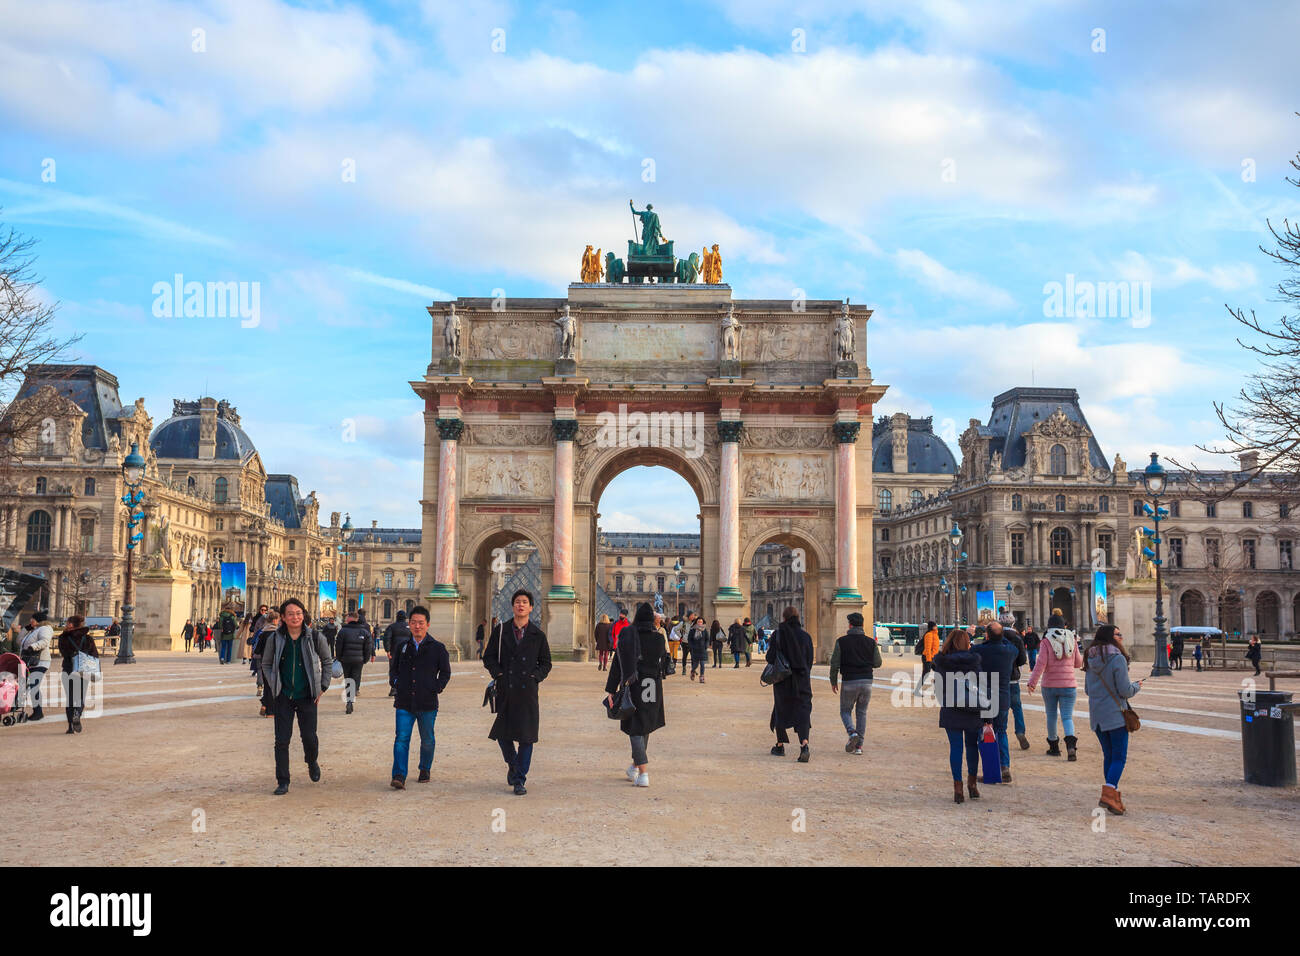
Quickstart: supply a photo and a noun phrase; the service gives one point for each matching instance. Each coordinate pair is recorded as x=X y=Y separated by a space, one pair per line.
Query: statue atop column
x=565 y=364
x=846 y=365
x=730 y=328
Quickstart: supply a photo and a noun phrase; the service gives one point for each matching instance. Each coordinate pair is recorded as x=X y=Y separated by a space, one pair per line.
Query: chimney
x=1249 y=460
x=898 y=434
x=207 y=429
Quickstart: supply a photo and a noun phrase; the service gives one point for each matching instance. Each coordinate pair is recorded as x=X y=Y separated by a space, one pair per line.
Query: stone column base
x=562 y=624
x=444 y=621
x=162 y=603
x=727 y=606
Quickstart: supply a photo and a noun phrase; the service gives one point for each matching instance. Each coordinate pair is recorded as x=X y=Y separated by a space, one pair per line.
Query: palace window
x=1017 y=503
x=389 y=557
x=38 y=530
x=410 y=580
x=293 y=546
x=1248 y=545
x=1103 y=504
x=916 y=497
x=1247 y=509
x=1060 y=502
x=87 y=534
x=771 y=582
x=1017 y=547
x=1211 y=510
x=1137 y=508
x=885 y=501
x=90 y=487
x=1105 y=542
x=884 y=567
x=219 y=491
x=352 y=580
x=618 y=582
x=388 y=579
x=884 y=534
x=1175 y=552
x=221 y=524
x=1285 y=560
x=619 y=561
x=640 y=583
x=1062 y=550
x=1173 y=509
x=41 y=485
x=1284 y=510
x=410 y=558
x=218 y=554
x=640 y=560
x=1058 y=459
x=661 y=562
x=659 y=583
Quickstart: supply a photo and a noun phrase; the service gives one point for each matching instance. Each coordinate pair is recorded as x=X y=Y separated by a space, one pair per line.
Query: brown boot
x=971 y=780
x=1110 y=800
x=957 y=795
x=1119 y=798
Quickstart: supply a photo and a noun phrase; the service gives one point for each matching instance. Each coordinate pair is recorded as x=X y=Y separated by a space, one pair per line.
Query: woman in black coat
x=1253 y=652
x=641 y=656
x=75 y=640
x=698 y=638
x=792 y=697
x=737 y=640
x=963 y=723
x=604 y=643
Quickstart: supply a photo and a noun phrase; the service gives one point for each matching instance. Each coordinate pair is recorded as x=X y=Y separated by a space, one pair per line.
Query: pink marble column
x=729 y=510
x=449 y=431
x=846 y=512
x=566 y=429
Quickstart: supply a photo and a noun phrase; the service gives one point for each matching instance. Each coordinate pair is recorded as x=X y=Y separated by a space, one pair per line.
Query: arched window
x=1058 y=460
x=1016 y=503
x=1062 y=553
x=1103 y=503
x=90 y=487
x=885 y=501
x=40 y=486
x=38 y=531
x=1060 y=502
x=916 y=497
x=219 y=491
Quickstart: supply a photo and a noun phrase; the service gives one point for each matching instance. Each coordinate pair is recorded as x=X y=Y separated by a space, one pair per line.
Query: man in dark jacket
x=792 y=697
x=518 y=658
x=998 y=658
x=856 y=656
x=331 y=632
x=394 y=635
x=354 y=646
x=1032 y=640
x=419 y=671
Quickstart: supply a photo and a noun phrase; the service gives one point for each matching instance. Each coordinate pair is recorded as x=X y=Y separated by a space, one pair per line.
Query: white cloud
x=955 y=285
x=1175 y=271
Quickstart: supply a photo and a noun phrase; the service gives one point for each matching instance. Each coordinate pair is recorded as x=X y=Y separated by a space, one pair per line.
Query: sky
x=944 y=163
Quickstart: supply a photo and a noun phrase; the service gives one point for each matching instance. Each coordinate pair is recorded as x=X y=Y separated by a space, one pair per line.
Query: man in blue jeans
x=419 y=672
x=1017 y=711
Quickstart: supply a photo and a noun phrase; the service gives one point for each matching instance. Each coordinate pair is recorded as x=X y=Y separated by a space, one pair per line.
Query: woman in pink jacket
x=1058 y=659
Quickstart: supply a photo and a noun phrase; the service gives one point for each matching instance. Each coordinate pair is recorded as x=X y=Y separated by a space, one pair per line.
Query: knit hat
x=855 y=619
x=645 y=614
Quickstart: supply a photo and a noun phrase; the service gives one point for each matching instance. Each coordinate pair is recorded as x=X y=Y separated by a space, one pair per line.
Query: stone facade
x=387 y=559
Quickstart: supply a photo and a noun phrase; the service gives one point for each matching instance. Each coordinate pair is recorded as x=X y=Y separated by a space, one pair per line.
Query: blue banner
x=328 y=598
x=985 y=612
x=1100 y=603
x=234 y=581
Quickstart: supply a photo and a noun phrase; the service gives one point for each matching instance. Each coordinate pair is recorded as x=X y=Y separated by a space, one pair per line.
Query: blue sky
x=940 y=162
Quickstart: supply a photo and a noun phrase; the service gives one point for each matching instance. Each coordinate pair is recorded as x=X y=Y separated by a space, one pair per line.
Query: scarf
x=1062 y=641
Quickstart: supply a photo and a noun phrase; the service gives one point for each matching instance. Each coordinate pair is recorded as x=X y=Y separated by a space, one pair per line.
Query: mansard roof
x=1017 y=410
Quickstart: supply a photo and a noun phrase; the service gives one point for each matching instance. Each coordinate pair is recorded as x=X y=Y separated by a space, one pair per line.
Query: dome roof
x=178 y=437
x=926 y=452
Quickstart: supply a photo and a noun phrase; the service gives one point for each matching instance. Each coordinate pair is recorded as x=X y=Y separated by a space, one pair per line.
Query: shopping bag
x=990 y=756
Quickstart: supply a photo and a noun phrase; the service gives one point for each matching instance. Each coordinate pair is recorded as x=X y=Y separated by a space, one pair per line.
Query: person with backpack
x=270 y=621
x=75 y=640
x=34 y=650
x=956 y=688
x=1059 y=659
x=228 y=625
x=330 y=629
x=419 y=670
x=639 y=662
x=715 y=641
x=856 y=657
x=394 y=636
x=1109 y=689
x=354 y=645
x=792 y=697
x=998 y=659
x=296 y=669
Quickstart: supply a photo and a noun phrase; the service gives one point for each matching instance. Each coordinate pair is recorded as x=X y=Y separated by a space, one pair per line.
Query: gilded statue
x=711 y=266
x=591 y=269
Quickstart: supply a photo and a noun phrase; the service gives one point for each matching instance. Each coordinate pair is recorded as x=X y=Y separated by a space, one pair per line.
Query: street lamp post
x=343 y=549
x=132 y=477
x=954 y=539
x=1153 y=478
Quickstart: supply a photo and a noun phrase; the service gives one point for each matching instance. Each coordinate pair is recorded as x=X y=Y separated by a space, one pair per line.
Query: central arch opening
x=646 y=537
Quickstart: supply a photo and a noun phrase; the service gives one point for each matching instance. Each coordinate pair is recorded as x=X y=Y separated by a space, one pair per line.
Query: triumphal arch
x=532 y=406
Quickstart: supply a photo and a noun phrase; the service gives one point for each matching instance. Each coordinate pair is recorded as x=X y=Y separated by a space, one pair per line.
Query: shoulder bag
x=87 y=664
x=490 y=693
x=777 y=669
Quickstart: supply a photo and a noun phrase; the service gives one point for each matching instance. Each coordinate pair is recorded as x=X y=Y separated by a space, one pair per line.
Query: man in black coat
x=792 y=697
x=998 y=658
x=518 y=658
x=331 y=632
x=419 y=671
x=354 y=647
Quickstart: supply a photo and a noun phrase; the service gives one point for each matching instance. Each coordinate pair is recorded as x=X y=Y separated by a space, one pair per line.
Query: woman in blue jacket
x=1109 y=688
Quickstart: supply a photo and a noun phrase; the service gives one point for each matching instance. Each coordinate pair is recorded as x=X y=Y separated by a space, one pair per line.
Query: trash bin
x=1267 y=738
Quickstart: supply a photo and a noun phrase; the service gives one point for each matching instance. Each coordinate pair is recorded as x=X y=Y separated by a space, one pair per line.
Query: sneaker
x=858 y=752
x=643 y=780
x=803 y=754
x=632 y=773
x=313 y=771
x=852 y=743
x=398 y=783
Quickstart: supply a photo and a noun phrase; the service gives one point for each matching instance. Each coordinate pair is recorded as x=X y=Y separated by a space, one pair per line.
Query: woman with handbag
x=959 y=715
x=1111 y=718
x=603 y=642
x=636 y=671
x=792 y=696
x=75 y=644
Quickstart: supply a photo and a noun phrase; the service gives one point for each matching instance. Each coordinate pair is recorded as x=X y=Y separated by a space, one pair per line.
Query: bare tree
x=1263 y=423
x=82 y=573
x=27 y=339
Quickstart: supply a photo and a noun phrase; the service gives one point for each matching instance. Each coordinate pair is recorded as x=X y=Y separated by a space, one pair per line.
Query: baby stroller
x=13 y=690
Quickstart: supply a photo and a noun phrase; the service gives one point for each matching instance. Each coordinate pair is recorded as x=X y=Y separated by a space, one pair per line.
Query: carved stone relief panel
x=507 y=473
